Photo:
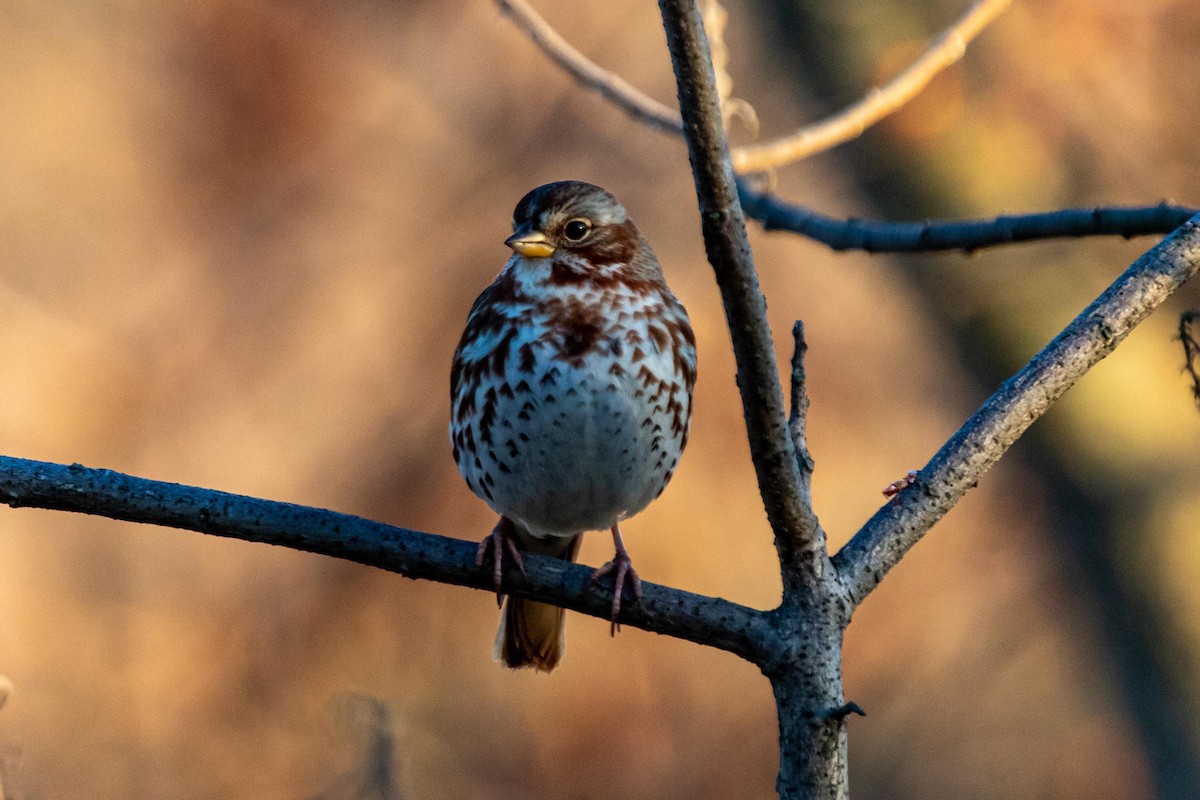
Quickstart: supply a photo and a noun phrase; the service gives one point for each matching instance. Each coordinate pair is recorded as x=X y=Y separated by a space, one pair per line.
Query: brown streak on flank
x=661 y=338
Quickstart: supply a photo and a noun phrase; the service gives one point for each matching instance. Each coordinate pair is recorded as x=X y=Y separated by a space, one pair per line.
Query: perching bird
x=571 y=395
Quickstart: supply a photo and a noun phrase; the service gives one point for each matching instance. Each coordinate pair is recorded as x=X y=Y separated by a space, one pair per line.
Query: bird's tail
x=531 y=634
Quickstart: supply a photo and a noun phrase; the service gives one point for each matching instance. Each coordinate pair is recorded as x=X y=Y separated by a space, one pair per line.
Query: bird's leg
x=623 y=567
x=502 y=538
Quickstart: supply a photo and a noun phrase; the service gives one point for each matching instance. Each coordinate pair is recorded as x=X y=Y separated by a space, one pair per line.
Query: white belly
x=566 y=445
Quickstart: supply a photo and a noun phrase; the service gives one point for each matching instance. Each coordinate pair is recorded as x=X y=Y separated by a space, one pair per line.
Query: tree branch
x=588 y=73
x=957 y=467
x=798 y=419
x=1191 y=350
x=704 y=620
x=809 y=140
x=728 y=250
x=880 y=102
x=855 y=234
x=876 y=236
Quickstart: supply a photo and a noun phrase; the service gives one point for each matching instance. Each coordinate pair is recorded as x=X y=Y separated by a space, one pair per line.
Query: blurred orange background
x=238 y=242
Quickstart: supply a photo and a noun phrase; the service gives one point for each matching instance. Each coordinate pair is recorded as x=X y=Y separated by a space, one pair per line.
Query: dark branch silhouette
x=877 y=236
x=874 y=236
x=728 y=249
x=413 y=554
x=1188 y=322
x=957 y=467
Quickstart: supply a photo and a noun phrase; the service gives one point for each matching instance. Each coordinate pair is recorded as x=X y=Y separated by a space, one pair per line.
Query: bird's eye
x=577 y=229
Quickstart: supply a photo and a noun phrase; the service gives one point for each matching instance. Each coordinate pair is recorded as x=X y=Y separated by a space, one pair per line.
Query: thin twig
x=807 y=141
x=875 y=236
x=705 y=620
x=856 y=234
x=728 y=250
x=715 y=19
x=589 y=74
x=798 y=419
x=843 y=711
x=1191 y=350
x=851 y=122
x=957 y=467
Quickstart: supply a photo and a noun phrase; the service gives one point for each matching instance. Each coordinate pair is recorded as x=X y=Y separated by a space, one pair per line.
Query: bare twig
x=843 y=711
x=896 y=527
x=876 y=236
x=728 y=250
x=1191 y=349
x=855 y=234
x=715 y=19
x=589 y=74
x=798 y=419
x=712 y=621
x=809 y=140
x=806 y=676
x=851 y=122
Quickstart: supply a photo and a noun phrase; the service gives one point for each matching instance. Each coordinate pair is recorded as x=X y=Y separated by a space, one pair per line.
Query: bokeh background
x=238 y=242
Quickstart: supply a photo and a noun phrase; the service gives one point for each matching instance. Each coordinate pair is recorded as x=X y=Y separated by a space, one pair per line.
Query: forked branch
x=728 y=249
x=862 y=234
x=843 y=126
x=880 y=102
x=960 y=463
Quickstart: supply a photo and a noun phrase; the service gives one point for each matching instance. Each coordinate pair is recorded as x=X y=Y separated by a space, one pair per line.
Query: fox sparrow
x=571 y=395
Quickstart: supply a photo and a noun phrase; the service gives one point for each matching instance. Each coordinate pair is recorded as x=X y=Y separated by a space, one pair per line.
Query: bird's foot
x=502 y=539
x=622 y=568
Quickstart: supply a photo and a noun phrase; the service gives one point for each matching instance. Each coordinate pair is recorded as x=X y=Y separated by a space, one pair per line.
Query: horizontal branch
x=958 y=466
x=876 y=236
x=696 y=618
x=882 y=101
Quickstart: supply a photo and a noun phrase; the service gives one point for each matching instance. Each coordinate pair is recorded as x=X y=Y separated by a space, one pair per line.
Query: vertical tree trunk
x=812 y=719
x=806 y=678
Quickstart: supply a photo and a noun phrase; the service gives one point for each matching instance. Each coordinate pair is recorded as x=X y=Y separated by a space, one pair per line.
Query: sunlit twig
x=808 y=140
x=851 y=122
x=588 y=73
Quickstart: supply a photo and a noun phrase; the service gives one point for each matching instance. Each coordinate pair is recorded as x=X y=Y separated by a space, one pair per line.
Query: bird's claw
x=500 y=540
x=622 y=566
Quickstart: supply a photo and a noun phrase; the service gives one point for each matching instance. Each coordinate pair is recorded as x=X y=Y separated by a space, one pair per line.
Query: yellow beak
x=531 y=244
